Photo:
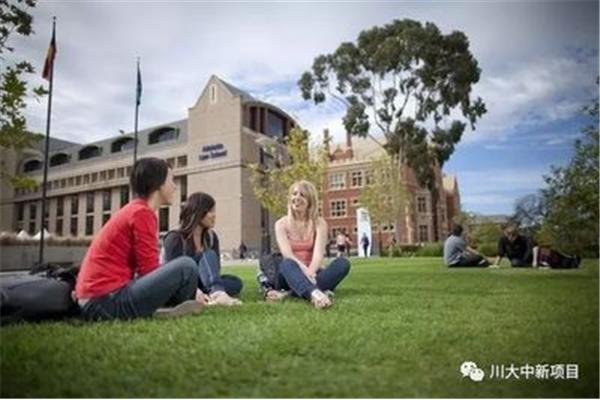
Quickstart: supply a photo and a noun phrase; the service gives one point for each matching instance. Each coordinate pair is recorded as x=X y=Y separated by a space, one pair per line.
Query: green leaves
x=271 y=183
x=387 y=68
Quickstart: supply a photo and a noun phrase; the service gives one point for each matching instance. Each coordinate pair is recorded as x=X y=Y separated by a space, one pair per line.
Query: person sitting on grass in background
x=518 y=248
x=340 y=243
x=301 y=237
x=120 y=277
x=458 y=254
x=197 y=239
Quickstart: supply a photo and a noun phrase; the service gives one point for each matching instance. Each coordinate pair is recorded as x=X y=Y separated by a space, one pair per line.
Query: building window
x=369 y=178
x=102 y=175
x=337 y=181
x=105 y=218
x=86 y=179
x=78 y=180
x=60 y=206
x=183 y=188
x=120 y=172
x=75 y=205
x=94 y=177
x=423 y=233
x=421 y=204
x=31 y=226
x=89 y=152
x=20 y=211
x=357 y=179
x=74 y=226
x=355 y=202
x=163 y=135
x=32 y=165
x=89 y=225
x=70 y=182
x=106 y=200
x=59 y=227
x=121 y=144
x=89 y=202
x=111 y=174
x=213 y=94
x=59 y=159
x=163 y=219
x=63 y=183
x=124 y=195
x=338 y=208
x=276 y=124
x=32 y=211
x=181 y=161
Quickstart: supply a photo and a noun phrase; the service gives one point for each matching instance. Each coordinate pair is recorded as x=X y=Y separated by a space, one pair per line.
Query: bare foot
x=275 y=295
x=320 y=299
x=220 y=298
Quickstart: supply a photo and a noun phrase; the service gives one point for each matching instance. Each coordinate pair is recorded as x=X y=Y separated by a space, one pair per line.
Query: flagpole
x=137 y=108
x=47 y=148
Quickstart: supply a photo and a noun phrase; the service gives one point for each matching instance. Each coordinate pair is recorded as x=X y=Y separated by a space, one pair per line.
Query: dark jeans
x=168 y=285
x=292 y=277
x=365 y=248
x=471 y=260
x=211 y=279
x=520 y=263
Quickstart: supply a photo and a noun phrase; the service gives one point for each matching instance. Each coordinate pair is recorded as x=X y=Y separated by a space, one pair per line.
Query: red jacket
x=126 y=245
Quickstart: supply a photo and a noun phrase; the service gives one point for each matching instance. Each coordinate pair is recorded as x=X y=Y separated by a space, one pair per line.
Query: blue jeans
x=211 y=279
x=168 y=285
x=329 y=278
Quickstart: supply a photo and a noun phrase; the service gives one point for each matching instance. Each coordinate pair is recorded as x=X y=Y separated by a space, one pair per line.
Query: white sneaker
x=185 y=308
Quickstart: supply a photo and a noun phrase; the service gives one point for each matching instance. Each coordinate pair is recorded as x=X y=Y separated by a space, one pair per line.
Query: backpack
x=269 y=269
x=43 y=294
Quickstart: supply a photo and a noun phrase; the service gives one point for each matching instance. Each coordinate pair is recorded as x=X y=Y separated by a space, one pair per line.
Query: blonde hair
x=312 y=198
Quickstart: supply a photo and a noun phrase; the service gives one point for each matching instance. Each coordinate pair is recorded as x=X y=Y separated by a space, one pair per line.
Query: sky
x=538 y=60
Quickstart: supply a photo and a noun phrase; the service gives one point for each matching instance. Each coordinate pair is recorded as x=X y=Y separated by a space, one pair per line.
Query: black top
x=521 y=248
x=175 y=245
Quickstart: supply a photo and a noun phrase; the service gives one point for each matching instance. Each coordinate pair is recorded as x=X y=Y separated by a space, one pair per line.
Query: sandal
x=221 y=298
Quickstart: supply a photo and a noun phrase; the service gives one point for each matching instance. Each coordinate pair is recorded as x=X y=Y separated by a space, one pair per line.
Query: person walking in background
x=120 y=277
x=301 y=237
x=458 y=254
x=364 y=242
x=196 y=238
x=242 y=249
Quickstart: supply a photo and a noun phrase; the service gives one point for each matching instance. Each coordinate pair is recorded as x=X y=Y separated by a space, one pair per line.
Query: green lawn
x=399 y=328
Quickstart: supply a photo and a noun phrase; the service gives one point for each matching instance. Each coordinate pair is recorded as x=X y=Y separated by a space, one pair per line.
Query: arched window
x=89 y=152
x=163 y=135
x=121 y=144
x=32 y=165
x=59 y=159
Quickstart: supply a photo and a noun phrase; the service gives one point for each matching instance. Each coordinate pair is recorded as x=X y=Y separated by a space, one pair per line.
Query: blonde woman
x=302 y=237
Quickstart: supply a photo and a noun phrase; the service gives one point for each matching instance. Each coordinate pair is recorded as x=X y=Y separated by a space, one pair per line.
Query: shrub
x=431 y=250
x=489 y=249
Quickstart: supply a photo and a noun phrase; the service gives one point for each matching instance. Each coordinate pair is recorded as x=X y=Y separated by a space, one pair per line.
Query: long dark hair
x=198 y=204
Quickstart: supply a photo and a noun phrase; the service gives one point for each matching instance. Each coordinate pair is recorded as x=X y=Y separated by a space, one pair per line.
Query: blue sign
x=211 y=151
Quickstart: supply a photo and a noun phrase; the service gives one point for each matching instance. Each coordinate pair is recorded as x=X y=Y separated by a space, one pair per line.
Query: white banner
x=363 y=226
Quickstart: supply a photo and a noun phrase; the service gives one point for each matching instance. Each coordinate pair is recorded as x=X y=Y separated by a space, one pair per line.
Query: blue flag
x=138 y=92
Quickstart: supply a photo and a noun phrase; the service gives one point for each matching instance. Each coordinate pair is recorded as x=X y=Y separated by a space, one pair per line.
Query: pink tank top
x=303 y=249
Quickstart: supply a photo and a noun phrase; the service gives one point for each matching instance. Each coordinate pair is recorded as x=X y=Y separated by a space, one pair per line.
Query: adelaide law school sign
x=211 y=151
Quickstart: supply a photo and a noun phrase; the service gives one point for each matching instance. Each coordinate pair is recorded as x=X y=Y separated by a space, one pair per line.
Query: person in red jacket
x=120 y=277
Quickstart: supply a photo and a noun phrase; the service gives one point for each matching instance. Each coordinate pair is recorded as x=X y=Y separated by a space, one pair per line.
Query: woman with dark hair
x=120 y=277
x=197 y=239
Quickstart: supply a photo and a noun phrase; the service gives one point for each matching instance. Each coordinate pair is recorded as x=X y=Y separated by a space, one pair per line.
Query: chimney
x=349 y=151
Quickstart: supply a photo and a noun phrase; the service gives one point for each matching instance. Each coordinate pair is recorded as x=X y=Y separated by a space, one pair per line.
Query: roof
x=236 y=91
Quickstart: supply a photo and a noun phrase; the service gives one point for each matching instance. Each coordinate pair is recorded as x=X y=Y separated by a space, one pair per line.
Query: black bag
x=269 y=266
x=39 y=296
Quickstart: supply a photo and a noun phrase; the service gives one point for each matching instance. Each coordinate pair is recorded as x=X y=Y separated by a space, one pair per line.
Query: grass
x=399 y=328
